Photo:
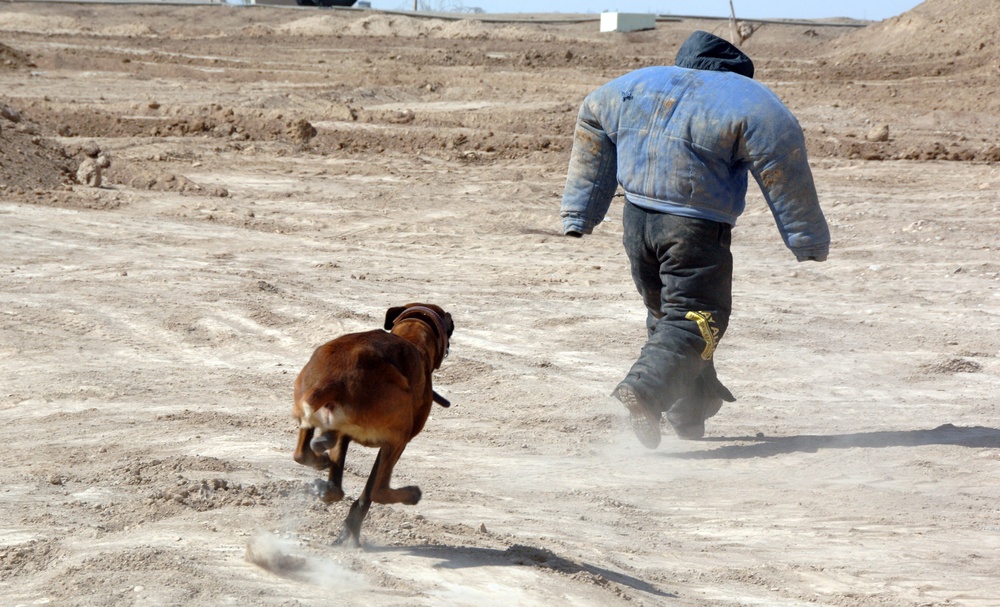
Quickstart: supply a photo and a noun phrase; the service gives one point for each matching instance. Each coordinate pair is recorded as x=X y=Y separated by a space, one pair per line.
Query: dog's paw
x=317 y=462
x=350 y=538
x=321 y=462
x=404 y=495
x=326 y=491
x=411 y=495
x=332 y=494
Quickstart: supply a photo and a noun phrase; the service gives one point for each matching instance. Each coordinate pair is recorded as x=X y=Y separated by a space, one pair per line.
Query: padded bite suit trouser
x=683 y=269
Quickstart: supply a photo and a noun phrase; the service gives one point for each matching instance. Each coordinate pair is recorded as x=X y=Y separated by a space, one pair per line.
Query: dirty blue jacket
x=682 y=141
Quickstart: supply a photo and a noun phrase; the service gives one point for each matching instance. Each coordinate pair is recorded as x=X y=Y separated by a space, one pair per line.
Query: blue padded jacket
x=682 y=139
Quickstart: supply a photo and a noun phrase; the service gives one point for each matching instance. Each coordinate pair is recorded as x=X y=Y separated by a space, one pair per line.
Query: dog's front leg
x=359 y=509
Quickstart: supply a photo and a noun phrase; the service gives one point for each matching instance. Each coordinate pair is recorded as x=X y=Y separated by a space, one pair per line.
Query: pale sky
x=874 y=10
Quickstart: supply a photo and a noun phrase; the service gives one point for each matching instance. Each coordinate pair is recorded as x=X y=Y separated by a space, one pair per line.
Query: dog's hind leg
x=335 y=489
x=382 y=493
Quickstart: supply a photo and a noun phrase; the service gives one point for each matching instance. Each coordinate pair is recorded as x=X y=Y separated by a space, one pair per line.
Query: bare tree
x=740 y=31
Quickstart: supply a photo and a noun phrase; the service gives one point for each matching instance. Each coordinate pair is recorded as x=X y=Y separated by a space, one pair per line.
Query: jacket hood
x=704 y=51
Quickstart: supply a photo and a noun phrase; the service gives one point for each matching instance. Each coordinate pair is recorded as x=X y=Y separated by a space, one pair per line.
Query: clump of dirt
x=269 y=553
x=301 y=130
x=28 y=558
x=953 y=365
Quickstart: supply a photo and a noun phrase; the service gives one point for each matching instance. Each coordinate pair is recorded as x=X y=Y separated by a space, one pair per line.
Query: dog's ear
x=449 y=323
x=391 y=315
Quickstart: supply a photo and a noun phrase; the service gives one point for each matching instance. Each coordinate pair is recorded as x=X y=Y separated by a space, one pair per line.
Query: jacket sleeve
x=592 y=177
x=775 y=148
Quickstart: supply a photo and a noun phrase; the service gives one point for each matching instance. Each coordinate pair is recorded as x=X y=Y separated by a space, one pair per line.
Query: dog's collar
x=424 y=313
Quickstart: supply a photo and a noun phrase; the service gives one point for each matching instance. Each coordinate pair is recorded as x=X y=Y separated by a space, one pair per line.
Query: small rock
x=89 y=173
x=402 y=117
x=90 y=149
x=9 y=113
x=879 y=132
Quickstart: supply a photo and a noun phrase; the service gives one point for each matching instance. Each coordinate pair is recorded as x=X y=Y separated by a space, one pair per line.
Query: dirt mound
x=397 y=26
x=391 y=25
x=29 y=161
x=133 y=176
x=471 y=29
x=11 y=59
x=38 y=24
x=60 y=24
x=130 y=30
x=942 y=56
x=962 y=32
x=382 y=25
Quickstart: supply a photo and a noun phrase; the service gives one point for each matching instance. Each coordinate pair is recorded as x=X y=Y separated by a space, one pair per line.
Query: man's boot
x=687 y=416
x=644 y=419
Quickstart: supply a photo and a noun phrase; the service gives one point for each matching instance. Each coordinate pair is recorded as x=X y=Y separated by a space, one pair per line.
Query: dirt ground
x=280 y=176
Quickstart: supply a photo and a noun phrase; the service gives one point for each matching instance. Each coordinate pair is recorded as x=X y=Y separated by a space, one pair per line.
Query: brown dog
x=373 y=388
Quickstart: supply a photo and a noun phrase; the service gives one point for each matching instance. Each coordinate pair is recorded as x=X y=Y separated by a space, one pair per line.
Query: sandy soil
x=281 y=176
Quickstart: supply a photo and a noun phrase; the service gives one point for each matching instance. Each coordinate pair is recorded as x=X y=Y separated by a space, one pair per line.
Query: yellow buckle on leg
x=709 y=332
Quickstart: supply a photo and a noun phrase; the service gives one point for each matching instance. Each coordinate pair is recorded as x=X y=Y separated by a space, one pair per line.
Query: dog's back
x=370 y=386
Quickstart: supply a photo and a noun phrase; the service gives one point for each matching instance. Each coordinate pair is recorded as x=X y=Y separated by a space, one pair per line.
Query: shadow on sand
x=763 y=446
x=460 y=557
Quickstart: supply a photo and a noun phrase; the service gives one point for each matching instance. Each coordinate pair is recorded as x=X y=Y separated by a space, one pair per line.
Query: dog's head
x=433 y=316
